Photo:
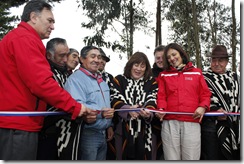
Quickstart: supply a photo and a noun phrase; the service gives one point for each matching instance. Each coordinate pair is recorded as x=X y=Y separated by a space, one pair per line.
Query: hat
x=219 y=51
x=104 y=55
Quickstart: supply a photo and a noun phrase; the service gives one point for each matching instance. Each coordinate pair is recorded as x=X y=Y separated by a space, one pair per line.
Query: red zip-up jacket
x=182 y=91
x=26 y=82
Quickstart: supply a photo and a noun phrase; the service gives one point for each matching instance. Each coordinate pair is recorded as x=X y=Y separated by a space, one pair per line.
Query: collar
x=141 y=79
x=29 y=28
x=96 y=76
x=187 y=67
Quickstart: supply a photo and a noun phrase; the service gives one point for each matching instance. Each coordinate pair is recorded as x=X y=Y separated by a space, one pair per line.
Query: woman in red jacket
x=182 y=88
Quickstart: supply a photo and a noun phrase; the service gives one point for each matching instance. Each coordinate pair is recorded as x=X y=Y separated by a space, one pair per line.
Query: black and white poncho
x=225 y=89
x=131 y=92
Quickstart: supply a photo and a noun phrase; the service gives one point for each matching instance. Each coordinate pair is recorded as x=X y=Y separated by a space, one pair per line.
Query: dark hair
x=34 y=6
x=86 y=49
x=178 y=48
x=71 y=50
x=159 y=48
x=137 y=58
x=51 y=44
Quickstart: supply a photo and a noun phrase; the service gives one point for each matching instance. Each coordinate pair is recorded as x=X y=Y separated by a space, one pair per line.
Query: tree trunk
x=131 y=29
x=213 y=24
x=158 y=25
x=233 y=38
x=196 y=35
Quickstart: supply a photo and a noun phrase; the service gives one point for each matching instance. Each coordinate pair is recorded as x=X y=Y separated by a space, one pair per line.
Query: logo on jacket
x=188 y=78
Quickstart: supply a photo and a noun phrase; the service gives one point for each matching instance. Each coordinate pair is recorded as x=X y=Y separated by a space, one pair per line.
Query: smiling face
x=73 y=60
x=158 y=58
x=92 y=60
x=138 y=70
x=218 y=65
x=174 y=58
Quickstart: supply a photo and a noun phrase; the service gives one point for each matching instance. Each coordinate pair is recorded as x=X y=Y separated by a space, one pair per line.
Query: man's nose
x=65 y=59
x=217 y=62
x=52 y=26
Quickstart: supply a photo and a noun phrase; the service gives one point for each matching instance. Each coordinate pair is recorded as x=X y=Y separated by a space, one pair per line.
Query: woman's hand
x=134 y=114
x=160 y=116
x=145 y=113
x=199 y=113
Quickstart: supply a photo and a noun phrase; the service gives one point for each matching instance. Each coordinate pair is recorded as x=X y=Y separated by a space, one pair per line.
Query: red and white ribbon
x=47 y=113
x=182 y=113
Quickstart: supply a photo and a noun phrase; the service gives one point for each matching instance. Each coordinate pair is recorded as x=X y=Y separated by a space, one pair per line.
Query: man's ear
x=48 y=55
x=81 y=60
x=33 y=17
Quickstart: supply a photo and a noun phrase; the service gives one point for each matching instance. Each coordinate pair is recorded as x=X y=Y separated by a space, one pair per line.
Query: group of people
x=143 y=114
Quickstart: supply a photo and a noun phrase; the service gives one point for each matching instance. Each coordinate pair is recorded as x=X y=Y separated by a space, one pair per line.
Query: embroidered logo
x=188 y=78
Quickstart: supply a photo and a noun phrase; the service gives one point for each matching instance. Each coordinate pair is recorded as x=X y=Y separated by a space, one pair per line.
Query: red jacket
x=182 y=91
x=26 y=82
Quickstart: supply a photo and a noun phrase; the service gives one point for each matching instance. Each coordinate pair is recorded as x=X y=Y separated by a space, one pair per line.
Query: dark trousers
x=47 y=145
x=210 y=147
x=210 y=143
x=18 y=144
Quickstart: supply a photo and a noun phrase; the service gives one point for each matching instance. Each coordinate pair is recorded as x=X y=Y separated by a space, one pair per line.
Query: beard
x=58 y=67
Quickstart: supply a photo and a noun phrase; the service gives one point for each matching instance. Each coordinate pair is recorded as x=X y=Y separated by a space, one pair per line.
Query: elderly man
x=220 y=133
x=56 y=53
x=73 y=60
x=87 y=86
x=27 y=84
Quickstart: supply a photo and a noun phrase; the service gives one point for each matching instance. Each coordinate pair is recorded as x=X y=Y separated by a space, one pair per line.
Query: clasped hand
x=224 y=117
x=143 y=113
x=107 y=112
x=160 y=116
x=90 y=115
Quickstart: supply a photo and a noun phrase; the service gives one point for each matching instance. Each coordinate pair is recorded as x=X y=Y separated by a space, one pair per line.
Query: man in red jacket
x=27 y=84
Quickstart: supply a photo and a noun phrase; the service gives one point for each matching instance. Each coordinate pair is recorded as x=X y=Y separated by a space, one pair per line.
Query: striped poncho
x=136 y=133
x=225 y=90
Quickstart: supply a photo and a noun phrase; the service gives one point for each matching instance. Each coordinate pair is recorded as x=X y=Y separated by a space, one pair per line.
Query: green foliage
x=13 y=3
x=5 y=19
x=103 y=15
x=214 y=22
x=100 y=12
x=124 y=17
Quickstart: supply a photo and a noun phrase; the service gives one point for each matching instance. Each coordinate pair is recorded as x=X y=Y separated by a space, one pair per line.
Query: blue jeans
x=93 y=145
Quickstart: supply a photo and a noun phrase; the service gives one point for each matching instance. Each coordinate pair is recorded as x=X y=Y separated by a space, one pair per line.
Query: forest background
x=123 y=27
